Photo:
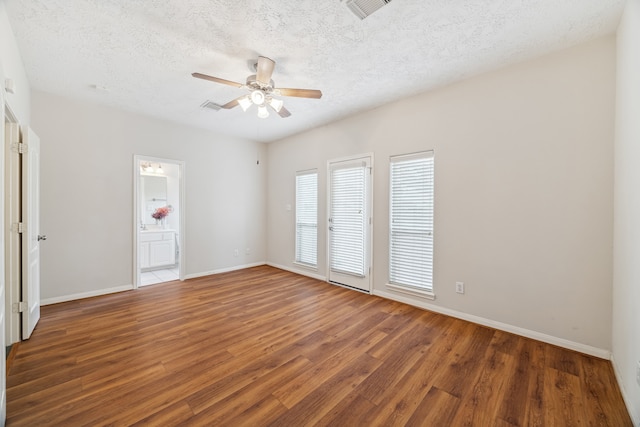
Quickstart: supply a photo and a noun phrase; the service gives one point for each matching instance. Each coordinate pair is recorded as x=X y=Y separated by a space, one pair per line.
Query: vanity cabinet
x=157 y=248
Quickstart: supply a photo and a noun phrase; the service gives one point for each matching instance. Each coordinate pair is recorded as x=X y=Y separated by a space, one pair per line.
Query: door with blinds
x=350 y=223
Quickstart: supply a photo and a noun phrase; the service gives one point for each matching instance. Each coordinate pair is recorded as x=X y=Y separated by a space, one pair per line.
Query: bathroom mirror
x=154 y=196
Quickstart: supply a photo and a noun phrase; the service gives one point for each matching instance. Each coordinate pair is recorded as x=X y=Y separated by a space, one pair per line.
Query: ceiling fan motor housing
x=253 y=83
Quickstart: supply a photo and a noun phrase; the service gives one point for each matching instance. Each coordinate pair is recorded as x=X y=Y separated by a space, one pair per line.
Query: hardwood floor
x=267 y=347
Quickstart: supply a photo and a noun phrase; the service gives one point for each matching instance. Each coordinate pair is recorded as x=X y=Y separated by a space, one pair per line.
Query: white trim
x=298 y=271
x=413 y=155
x=100 y=292
x=5 y=324
x=625 y=395
x=224 y=270
x=307 y=172
x=349 y=158
x=412 y=291
x=81 y=295
x=539 y=336
x=305 y=266
x=11 y=247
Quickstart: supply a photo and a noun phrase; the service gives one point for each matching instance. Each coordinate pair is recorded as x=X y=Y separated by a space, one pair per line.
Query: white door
x=31 y=232
x=350 y=223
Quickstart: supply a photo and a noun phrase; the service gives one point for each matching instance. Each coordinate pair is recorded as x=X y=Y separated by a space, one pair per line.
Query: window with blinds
x=411 y=222
x=307 y=217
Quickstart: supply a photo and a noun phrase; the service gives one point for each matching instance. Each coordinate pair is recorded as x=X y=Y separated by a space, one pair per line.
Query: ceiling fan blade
x=217 y=80
x=229 y=105
x=300 y=93
x=265 y=69
x=284 y=113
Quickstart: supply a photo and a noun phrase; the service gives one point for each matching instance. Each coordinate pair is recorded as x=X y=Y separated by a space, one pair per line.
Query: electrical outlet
x=638 y=372
x=248 y=251
x=460 y=287
x=236 y=252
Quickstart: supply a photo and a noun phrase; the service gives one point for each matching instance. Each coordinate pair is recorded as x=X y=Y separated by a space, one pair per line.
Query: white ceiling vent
x=211 y=105
x=364 y=8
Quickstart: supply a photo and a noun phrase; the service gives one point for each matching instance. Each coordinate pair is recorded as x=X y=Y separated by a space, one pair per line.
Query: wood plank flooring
x=265 y=347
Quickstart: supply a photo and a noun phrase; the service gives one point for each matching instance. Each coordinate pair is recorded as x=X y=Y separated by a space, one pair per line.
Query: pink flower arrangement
x=161 y=212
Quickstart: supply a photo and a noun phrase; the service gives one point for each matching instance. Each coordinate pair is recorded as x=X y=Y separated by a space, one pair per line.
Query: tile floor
x=158 y=276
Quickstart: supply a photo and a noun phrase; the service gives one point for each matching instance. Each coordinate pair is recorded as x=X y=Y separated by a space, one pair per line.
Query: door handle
x=42 y=237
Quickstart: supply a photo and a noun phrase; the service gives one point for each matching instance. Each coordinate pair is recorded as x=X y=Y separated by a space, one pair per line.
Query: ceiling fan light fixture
x=276 y=104
x=263 y=113
x=245 y=103
x=261 y=88
x=257 y=97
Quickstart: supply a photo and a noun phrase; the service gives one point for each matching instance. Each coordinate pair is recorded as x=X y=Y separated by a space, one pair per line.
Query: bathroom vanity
x=157 y=248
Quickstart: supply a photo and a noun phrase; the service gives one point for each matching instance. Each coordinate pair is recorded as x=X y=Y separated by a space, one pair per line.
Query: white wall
x=11 y=63
x=87 y=166
x=172 y=172
x=626 y=273
x=523 y=207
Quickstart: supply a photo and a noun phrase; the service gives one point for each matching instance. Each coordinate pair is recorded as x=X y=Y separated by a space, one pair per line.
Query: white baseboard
x=223 y=270
x=549 y=339
x=107 y=291
x=635 y=419
x=72 y=297
x=300 y=271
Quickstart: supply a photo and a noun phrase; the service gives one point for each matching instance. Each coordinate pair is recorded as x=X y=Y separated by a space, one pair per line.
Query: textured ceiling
x=140 y=53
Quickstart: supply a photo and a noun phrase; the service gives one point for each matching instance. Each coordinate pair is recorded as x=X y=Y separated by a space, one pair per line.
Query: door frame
x=12 y=247
x=369 y=234
x=137 y=158
x=4 y=299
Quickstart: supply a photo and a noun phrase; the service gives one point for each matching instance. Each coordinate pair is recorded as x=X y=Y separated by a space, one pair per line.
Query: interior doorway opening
x=158 y=219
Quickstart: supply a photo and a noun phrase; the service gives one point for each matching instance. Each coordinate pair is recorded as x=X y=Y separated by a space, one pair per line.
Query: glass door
x=350 y=222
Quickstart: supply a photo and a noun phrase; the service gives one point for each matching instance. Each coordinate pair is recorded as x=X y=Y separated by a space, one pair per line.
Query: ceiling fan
x=262 y=90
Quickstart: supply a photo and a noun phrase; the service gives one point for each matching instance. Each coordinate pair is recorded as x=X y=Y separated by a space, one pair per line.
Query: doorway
x=350 y=221
x=158 y=220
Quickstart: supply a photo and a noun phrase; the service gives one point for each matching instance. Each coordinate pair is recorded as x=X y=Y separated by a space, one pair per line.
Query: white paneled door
x=350 y=223
x=31 y=232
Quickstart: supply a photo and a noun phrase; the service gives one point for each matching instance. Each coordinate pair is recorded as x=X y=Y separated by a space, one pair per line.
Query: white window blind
x=307 y=217
x=411 y=221
x=347 y=219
